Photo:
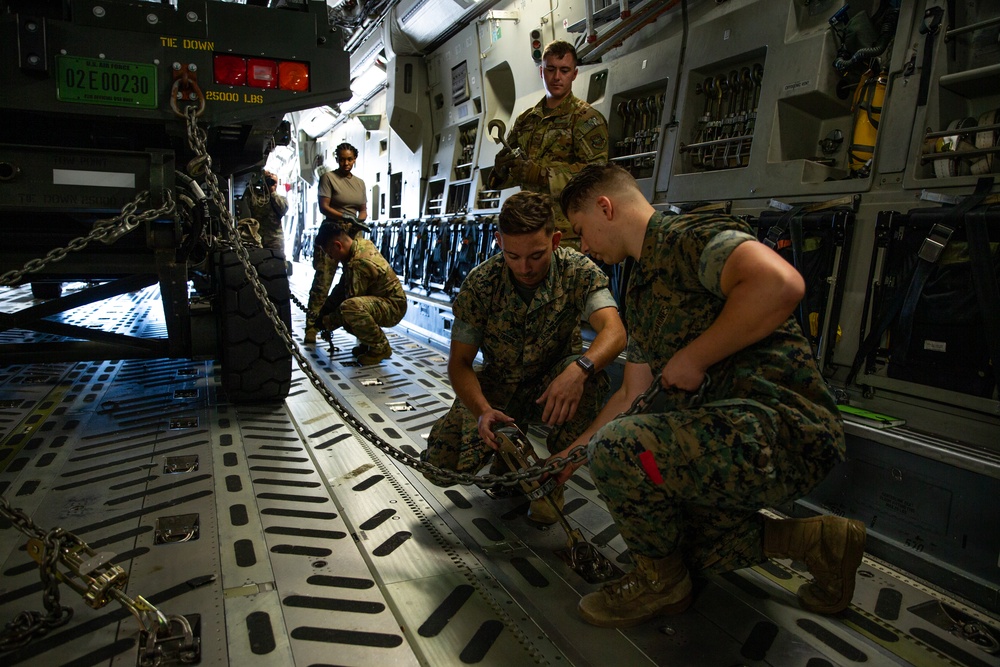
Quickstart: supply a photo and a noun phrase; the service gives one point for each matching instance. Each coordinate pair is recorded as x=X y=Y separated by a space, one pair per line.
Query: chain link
x=197 y=139
x=30 y=624
x=303 y=307
x=107 y=231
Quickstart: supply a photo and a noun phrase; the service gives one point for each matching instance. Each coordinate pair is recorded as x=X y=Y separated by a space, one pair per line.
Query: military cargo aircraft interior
x=209 y=458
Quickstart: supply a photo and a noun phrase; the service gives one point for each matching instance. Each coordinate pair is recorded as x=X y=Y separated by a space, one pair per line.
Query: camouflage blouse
x=674 y=294
x=523 y=341
x=366 y=273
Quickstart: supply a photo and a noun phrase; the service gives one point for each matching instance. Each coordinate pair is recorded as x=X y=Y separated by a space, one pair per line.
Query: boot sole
x=666 y=610
x=854 y=551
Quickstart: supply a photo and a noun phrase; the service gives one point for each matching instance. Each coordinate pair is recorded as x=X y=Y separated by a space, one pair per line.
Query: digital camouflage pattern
x=558 y=143
x=767 y=431
x=524 y=346
x=454 y=442
x=368 y=297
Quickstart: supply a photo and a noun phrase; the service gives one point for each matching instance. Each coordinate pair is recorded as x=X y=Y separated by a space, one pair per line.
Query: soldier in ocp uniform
x=263 y=203
x=523 y=309
x=559 y=136
x=342 y=198
x=369 y=295
x=748 y=421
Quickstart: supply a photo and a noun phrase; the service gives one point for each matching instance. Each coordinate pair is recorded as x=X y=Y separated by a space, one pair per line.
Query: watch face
x=586 y=364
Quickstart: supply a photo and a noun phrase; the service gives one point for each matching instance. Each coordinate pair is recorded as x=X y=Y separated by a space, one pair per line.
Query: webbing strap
x=776 y=231
x=927 y=256
x=929 y=32
x=985 y=280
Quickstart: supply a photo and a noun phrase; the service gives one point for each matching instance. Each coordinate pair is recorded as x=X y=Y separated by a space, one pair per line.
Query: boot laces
x=640 y=580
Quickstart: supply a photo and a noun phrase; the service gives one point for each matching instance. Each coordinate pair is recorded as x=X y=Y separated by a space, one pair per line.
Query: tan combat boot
x=831 y=546
x=540 y=511
x=310 y=337
x=375 y=355
x=654 y=587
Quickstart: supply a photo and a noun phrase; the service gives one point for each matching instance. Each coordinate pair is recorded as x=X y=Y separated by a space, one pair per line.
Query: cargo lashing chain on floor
x=98 y=582
x=516 y=450
x=197 y=140
x=87 y=571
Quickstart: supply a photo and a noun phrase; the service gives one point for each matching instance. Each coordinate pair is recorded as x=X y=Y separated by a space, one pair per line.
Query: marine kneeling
x=369 y=295
x=685 y=483
x=522 y=308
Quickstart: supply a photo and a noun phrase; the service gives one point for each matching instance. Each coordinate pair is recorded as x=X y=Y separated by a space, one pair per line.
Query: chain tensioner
x=517 y=452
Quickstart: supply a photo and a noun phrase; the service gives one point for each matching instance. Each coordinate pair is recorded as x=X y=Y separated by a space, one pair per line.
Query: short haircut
x=525 y=213
x=559 y=49
x=346 y=147
x=333 y=231
x=593 y=181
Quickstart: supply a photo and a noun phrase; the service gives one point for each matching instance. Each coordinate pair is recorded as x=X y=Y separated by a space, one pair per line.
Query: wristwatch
x=586 y=364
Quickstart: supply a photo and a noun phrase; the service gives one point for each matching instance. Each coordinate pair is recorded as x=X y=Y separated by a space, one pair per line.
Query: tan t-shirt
x=344 y=192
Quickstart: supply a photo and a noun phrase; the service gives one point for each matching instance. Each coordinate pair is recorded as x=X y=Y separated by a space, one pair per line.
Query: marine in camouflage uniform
x=524 y=346
x=522 y=310
x=707 y=305
x=559 y=136
x=767 y=430
x=368 y=297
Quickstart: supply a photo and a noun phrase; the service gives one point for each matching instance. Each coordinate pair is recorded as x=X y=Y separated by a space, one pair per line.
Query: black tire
x=256 y=364
x=46 y=290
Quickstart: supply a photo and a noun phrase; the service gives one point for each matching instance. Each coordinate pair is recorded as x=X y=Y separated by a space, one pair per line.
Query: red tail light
x=233 y=70
x=230 y=70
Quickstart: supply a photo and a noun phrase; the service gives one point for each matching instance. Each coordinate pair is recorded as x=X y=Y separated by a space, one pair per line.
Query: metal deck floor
x=315 y=548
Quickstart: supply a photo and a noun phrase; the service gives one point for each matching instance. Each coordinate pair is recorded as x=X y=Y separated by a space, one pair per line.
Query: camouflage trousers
x=325 y=268
x=364 y=317
x=273 y=240
x=454 y=442
x=695 y=479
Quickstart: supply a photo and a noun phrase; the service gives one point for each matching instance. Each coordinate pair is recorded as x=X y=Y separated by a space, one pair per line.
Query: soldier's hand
x=682 y=372
x=571 y=468
x=504 y=158
x=562 y=397
x=497 y=178
x=485 y=425
x=528 y=171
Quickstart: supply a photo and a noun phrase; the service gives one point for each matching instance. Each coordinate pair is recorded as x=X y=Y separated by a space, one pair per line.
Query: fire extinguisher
x=867 y=108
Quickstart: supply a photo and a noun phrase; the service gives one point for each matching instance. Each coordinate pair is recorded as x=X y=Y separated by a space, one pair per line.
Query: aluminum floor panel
x=316 y=548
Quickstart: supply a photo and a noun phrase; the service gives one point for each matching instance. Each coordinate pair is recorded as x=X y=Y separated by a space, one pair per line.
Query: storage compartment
x=727 y=93
x=817 y=244
x=927 y=325
x=435 y=197
x=963 y=104
x=634 y=128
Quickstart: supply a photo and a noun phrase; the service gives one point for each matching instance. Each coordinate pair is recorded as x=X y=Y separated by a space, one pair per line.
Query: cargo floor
x=301 y=543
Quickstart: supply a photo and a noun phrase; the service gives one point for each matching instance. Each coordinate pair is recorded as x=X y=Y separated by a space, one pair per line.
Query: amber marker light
x=293 y=76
